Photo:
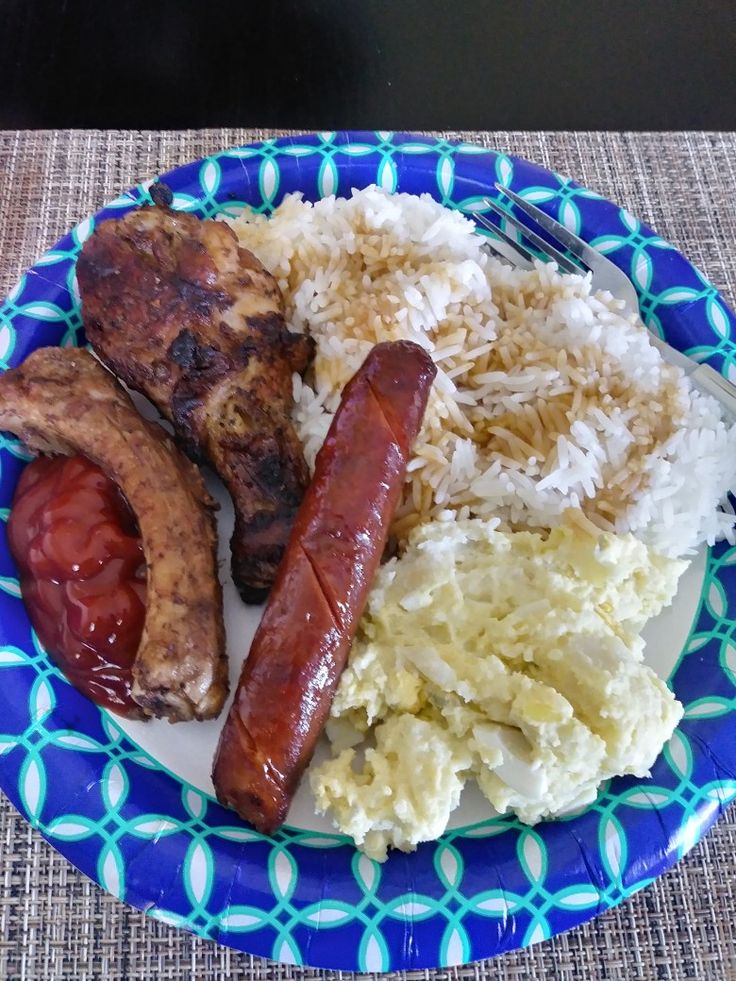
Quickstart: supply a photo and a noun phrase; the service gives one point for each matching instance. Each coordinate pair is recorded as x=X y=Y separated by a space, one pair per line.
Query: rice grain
x=548 y=404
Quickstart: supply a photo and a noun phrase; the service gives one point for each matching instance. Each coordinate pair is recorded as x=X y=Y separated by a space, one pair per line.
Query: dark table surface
x=474 y=64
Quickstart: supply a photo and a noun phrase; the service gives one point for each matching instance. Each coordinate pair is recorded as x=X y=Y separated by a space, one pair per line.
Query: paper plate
x=130 y=806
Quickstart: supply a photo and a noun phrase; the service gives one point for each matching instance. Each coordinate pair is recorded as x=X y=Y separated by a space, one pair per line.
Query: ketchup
x=82 y=574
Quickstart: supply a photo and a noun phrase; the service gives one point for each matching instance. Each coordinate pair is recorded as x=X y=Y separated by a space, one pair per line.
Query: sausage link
x=301 y=646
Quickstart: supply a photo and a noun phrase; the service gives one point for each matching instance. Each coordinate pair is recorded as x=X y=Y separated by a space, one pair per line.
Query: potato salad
x=510 y=658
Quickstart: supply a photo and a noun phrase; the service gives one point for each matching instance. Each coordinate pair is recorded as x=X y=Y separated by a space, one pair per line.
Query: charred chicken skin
x=62 y=401
x=181 y=313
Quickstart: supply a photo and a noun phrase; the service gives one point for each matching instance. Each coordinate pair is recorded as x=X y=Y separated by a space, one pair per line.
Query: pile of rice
x=549 y=404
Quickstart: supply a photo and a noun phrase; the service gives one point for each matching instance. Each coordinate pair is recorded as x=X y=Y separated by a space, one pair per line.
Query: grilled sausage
x=301 y=646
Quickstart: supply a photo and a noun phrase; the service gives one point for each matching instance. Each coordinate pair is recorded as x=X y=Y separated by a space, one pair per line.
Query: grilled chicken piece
x=183 y=314
x=61 y=400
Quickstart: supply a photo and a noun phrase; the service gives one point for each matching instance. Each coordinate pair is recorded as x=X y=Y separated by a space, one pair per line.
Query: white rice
x=549 y=404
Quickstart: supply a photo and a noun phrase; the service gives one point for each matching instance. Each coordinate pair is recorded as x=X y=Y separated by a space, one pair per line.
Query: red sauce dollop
x=82 y=574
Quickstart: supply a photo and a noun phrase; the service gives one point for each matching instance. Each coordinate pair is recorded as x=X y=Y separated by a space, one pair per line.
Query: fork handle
x=703 y=376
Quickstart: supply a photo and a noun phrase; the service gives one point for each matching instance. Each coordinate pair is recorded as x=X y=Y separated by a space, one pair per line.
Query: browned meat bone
x=61 y=400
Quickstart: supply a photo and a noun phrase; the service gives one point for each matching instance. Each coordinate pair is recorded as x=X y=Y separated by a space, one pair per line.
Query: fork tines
x=565 y=264
x=573 y=243
x=519 y=252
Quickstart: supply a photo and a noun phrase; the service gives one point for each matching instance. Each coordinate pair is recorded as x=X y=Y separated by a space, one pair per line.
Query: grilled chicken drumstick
x=181 y=313
x=61 y=400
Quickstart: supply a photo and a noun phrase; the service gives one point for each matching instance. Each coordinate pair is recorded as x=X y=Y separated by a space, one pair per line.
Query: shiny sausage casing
x=301 y=646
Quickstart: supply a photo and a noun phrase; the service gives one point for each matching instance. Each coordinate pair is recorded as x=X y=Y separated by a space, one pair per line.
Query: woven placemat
x=55 y=923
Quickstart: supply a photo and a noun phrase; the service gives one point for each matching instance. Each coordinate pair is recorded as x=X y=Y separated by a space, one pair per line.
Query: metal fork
x=579 y=257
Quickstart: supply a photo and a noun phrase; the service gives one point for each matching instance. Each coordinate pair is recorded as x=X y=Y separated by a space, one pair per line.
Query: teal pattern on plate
x=307 y=898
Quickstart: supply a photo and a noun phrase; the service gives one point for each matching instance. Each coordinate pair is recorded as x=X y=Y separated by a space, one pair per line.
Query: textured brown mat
x=54 y=923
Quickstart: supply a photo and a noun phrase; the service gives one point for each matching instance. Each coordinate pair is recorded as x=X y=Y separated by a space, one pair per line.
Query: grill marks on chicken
x=61 y=400
x=224 y=412
x=181 y=313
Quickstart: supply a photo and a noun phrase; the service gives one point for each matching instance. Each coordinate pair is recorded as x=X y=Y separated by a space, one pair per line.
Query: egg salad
x=511 y=658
